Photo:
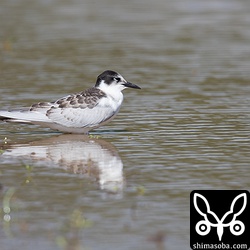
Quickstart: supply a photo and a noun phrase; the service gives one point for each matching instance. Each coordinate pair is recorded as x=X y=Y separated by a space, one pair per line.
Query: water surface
x=128 y=185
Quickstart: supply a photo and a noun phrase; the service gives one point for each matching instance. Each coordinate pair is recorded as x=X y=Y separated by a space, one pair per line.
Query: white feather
x=25 y=116
x=80 y=118
x=77 y=113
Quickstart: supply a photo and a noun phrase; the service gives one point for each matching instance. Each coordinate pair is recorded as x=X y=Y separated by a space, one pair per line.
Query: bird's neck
x=113 y=92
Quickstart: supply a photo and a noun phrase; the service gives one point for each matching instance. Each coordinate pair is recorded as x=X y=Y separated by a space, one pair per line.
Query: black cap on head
x=109 y=75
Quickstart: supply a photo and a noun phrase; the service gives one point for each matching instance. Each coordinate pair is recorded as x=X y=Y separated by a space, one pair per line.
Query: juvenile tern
x=80 y=112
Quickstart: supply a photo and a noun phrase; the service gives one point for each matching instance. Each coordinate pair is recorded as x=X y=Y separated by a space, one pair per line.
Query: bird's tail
x=23 y=116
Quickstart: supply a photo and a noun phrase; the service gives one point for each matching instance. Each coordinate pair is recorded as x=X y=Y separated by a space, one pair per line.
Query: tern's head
x=111 y=79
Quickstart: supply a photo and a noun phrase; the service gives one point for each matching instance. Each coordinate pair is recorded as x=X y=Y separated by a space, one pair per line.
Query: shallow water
x=128 y=185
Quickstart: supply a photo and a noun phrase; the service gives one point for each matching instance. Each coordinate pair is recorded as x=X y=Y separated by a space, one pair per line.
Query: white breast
x=114 y=96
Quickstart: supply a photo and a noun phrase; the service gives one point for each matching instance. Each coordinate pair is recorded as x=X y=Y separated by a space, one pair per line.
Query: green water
x=128 y=186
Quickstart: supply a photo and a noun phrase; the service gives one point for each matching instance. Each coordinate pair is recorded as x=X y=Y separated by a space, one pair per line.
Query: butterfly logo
x=203 y=227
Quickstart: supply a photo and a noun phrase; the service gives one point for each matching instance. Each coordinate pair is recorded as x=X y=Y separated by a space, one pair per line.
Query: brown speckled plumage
x=80 y=112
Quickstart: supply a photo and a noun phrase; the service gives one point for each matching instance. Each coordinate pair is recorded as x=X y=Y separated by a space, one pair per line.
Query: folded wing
x=80 y=118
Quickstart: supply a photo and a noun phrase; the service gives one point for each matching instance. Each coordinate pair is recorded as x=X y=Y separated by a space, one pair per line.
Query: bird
x=80 y=112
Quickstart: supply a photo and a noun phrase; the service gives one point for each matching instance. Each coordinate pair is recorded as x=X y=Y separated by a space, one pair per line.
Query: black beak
x=131 y=85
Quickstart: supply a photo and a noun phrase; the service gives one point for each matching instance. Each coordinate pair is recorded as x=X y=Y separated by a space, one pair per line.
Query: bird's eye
x=117 y=79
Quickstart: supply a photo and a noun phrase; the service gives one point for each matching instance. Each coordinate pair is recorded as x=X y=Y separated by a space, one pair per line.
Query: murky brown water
x=188 y=128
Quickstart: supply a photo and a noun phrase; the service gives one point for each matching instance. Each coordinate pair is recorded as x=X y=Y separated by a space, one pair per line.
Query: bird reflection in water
x=74 y=153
